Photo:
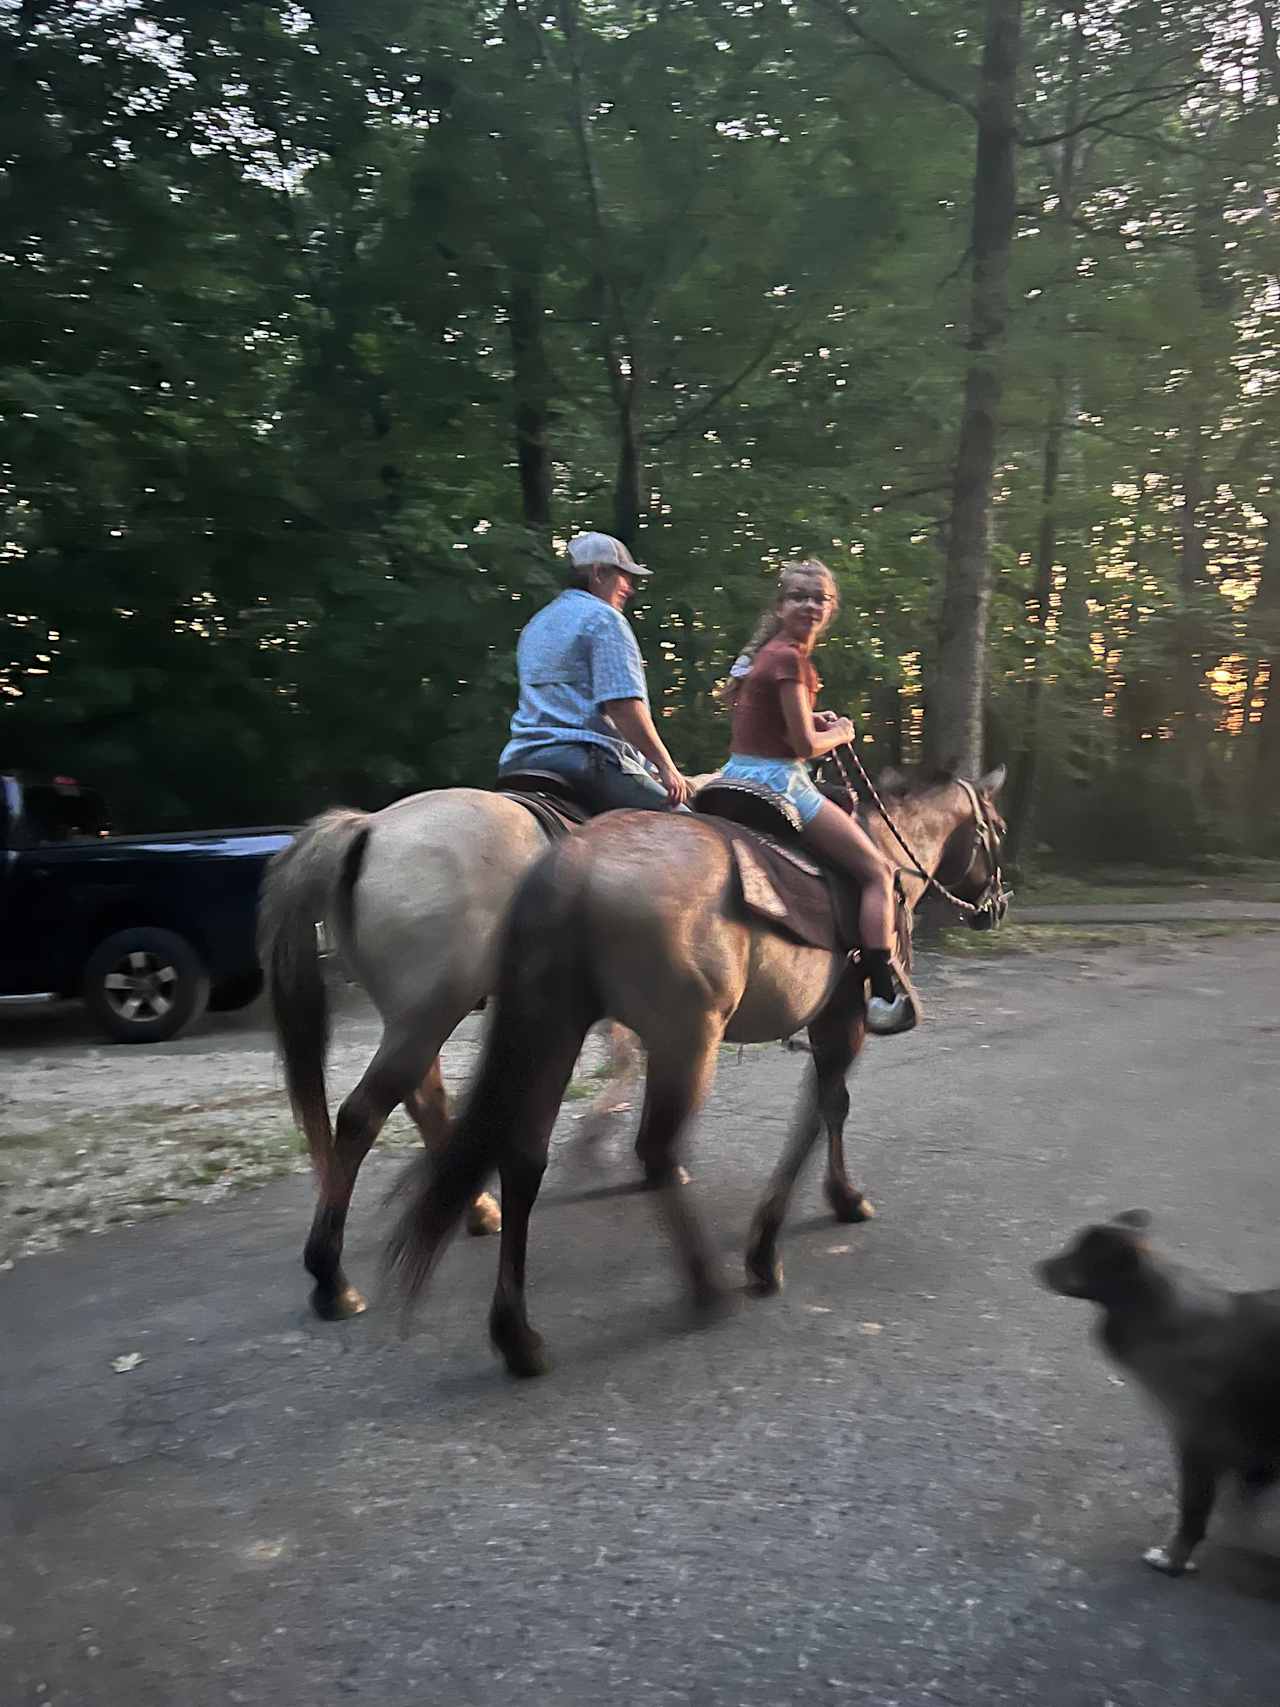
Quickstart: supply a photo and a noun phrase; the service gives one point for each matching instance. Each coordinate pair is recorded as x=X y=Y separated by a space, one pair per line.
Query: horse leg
x=764 y=1267
x=400 y=1066
x=550 y=1063
x=360 y=1119
x=676 y=1085
x=622 y=1065
x=835 y=1037
x=847 y=1201
x=427 y=1105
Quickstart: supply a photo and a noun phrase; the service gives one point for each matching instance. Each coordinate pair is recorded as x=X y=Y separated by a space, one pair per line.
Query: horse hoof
x=529 y=1364
x=1160 y=1559
x=656 y=1178
x=710 y=1302
x=484 y=1216
x=848 y=1205
x=524 y=1354
x=338 y=1306
x=764 y=1279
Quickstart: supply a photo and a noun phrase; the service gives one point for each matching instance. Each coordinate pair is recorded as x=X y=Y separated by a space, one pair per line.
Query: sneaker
x=887 y=1019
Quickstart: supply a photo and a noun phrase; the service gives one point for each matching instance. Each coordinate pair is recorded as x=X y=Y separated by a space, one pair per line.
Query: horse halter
x=992 y=904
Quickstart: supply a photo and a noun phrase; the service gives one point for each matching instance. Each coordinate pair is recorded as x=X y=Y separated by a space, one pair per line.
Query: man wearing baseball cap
x=584 y=706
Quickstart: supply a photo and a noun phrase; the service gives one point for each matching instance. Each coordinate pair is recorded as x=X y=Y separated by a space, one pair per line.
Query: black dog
x=1210 y=1359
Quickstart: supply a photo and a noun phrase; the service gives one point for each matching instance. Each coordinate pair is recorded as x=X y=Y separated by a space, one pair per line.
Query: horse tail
x=543 y=978
x=311 y=880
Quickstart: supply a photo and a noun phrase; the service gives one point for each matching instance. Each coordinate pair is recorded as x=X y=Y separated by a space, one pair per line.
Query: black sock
x=879 y=973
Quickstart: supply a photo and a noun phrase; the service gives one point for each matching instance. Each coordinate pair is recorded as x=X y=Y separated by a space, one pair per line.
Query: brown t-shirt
x=759 y=728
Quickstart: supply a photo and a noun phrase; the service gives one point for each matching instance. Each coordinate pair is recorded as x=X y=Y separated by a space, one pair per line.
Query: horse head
x=982 y=882
x=972 y=829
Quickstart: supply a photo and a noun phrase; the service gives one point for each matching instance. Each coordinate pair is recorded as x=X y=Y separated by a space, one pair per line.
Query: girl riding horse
x=771 y=691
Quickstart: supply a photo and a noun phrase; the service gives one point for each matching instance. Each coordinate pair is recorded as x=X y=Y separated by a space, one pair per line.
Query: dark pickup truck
x=149 y=930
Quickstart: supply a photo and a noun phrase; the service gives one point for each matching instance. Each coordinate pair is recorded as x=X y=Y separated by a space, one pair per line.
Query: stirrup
x=887 y=1019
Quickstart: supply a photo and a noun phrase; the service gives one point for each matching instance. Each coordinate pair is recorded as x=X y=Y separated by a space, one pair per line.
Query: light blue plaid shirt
x=573 y=657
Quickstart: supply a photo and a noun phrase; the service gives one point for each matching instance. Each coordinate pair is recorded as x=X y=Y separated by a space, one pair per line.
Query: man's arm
x=634 y=722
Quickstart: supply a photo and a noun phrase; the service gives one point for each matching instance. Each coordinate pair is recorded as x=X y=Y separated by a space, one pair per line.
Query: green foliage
x=264 y=542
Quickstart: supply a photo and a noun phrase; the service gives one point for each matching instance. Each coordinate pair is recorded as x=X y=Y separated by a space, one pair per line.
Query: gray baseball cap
x=588 y=548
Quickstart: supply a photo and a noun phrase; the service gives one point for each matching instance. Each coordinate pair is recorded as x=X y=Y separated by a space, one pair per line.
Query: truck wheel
x=144 y=985
x=235 y=993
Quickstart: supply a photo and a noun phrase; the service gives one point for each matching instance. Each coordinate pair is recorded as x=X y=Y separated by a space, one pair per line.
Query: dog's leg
x=1197 y=1484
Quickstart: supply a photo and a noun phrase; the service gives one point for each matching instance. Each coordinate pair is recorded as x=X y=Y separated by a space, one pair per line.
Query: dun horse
x=636 y=918
x=413 y=897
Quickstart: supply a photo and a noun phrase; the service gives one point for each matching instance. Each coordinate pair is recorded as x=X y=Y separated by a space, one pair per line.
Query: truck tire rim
x=142 y=987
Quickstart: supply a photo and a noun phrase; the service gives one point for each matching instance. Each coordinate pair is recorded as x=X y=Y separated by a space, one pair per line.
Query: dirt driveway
x=909 y=1482
x=94 y=1135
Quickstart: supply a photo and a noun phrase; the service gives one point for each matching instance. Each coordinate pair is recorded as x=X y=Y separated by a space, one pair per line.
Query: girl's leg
x=843 y=841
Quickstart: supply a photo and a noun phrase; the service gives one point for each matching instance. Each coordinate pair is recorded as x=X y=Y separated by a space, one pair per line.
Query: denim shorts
x=783 y=776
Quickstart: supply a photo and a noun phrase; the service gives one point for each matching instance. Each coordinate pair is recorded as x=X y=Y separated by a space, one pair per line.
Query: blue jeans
x=599 y=777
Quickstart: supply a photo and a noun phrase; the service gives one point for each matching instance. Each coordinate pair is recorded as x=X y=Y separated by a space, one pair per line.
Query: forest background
x=322 y=325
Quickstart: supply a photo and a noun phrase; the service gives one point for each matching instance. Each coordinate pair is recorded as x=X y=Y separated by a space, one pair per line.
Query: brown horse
x=637 y=918
x=412 y=897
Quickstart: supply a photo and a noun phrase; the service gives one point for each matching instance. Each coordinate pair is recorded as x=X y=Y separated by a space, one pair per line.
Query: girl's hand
x=825 y=719
x=842 y=727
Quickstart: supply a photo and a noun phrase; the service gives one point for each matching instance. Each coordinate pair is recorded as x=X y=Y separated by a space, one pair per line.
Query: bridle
x=993 y=903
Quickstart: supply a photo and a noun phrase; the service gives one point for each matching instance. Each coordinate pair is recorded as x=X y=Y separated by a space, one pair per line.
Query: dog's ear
x=1139 y=1218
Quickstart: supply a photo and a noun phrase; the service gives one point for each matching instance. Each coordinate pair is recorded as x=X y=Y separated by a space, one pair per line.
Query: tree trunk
x=1264 y=615
x=1270 y=50
x=524 y=168
x=953 y=723
x=1264 y=623
x=1022 y=803
x=1189 y=663
x=1213 y=296
x=531 y=385
x=628 y=490
x=618 y=339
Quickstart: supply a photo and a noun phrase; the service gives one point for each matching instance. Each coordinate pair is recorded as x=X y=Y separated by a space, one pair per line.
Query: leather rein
x=993 y=903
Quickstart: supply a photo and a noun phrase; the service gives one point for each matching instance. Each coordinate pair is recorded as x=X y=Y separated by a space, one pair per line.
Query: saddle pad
x=789 y=892
x=555 y=817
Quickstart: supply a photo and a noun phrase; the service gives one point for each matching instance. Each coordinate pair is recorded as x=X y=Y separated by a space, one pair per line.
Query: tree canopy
x=325 y=323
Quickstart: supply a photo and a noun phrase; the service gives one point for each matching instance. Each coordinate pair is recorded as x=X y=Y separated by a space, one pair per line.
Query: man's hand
x=677 y=786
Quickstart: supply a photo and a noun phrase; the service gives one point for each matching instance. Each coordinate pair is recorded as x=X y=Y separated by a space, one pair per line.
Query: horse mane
x=902 y=782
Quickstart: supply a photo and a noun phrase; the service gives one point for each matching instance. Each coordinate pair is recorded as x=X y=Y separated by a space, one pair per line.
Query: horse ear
x=891 y=780
x=1139 y=1218
x=991 y=784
